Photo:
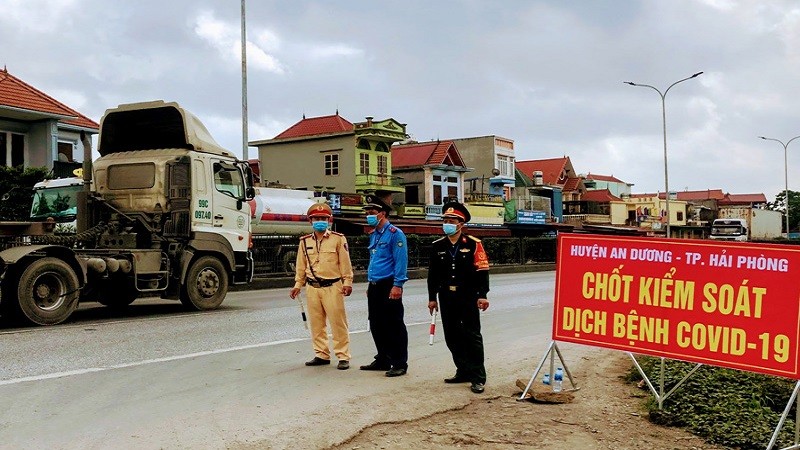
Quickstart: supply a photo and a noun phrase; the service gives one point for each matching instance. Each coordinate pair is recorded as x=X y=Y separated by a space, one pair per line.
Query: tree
x=16 y=190
x=794 y=207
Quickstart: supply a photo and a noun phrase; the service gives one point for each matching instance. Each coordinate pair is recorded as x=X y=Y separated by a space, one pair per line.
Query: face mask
x=319 y=225
x=449 y=228
x=372 y=220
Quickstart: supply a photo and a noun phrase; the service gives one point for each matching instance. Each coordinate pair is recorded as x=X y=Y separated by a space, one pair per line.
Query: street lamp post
x=785 y=173
x=664 y=121
x=244 y=84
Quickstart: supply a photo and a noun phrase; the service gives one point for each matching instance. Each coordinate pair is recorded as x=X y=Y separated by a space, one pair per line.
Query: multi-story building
x=615 y=186
x=492 y=161
x=331 y=153
x=432 y=174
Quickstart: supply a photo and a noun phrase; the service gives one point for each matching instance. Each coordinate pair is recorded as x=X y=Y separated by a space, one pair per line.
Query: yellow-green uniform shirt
x=329 y=257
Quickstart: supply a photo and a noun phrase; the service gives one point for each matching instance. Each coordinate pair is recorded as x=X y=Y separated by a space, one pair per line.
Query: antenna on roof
x=304 y=116
x=337 y=110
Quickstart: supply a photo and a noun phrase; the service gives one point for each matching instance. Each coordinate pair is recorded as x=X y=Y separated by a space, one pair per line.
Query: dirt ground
x=606 y=413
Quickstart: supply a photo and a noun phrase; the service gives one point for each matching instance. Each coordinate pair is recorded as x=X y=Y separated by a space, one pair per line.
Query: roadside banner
x=727 y=304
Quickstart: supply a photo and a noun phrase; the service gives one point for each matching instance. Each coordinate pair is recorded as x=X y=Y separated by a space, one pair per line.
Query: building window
x=412 y=194
x=332 y=164
x=364 y=164
x=446 y=187
x=502 y=164
x=680 y=216
x=383 y=161
x=437 y=194
x=12 y=149
x=65 y=151
x=452 y=193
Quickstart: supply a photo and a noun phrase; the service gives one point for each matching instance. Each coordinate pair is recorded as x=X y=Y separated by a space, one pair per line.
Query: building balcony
x=480 y=197
x=577 y=219
x=378 y=182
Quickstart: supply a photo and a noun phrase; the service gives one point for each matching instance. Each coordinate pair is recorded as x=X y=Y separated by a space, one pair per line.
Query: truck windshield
x=59 y=203
x=727 y=230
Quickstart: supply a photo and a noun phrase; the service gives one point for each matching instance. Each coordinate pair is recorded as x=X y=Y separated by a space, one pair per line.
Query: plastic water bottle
x=546 y=379
x=558 y=379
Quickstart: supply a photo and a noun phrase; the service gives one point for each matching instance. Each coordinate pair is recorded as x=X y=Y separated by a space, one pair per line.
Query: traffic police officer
x=387 y=272
x=323 y=266
x=458 y=272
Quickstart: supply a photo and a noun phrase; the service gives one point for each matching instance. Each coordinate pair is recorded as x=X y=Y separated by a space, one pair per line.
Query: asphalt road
x=234 y=378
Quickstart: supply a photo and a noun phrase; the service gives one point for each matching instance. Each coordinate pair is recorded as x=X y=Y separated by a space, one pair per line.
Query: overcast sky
x=546 y=74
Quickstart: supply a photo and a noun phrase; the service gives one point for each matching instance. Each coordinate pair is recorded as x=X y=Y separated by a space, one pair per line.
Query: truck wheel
x=290 y=261
x=47 y=291
x=206 y=284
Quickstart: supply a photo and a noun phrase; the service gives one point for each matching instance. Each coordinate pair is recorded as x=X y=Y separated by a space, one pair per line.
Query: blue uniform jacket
x=388 y=255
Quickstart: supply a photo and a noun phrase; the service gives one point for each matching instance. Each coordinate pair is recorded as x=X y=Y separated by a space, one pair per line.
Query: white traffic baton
x=433 y=327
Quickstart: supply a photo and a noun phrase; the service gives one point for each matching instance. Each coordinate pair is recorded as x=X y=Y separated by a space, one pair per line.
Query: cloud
x=39 y=16
x=226 y=39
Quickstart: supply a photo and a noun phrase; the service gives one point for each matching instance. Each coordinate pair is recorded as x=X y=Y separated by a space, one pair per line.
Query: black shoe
x=396 y=372
x=476 y=388
x=456 y=379
x=343 y=365
x=375 y=365
x=318 y=362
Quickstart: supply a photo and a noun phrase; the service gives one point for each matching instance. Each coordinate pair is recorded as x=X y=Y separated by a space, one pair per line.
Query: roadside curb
x=361 y=276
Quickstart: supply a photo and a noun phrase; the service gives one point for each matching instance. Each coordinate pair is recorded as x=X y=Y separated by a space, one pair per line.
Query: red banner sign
x=728 y=304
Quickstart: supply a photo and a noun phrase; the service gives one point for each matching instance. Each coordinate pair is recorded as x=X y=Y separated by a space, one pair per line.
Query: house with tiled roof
x=617 y=187
x=333 y=154
x=555 y=172
x=37 y=130
x=432 y=174
x=751 y=200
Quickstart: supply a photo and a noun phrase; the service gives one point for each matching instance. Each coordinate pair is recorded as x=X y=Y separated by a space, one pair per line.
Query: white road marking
x=70 y=373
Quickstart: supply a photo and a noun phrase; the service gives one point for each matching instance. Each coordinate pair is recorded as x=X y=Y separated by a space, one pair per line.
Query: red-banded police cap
x=456 y=210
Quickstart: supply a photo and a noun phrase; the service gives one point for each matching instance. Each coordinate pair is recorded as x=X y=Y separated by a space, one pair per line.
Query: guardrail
x=276 y=256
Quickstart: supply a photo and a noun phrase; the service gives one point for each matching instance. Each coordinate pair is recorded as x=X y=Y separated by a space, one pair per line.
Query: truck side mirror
x=250 y=193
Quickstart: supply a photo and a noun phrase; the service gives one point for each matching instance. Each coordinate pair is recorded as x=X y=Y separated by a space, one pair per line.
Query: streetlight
x=664 y=121
x=785 y=174
x=244 y=84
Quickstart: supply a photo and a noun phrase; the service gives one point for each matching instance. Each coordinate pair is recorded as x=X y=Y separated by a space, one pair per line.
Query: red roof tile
x=709 y=194
x=571 y=184
x=551 y=169
x=19 y=94
x=610 y=178
x=315 y=126
x=599 y=195
x=423 y=153
x=741 y=199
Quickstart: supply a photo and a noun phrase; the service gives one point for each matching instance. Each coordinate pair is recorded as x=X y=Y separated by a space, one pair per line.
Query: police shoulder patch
x=399 y=243
x=392 y=229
